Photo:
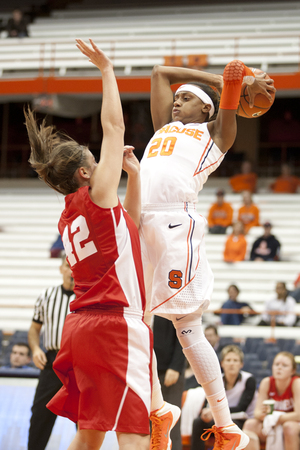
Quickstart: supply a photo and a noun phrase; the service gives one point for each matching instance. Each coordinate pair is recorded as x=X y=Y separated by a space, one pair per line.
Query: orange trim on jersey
x=188 y=252
x=202 y=156
x=212 y=164
x=183 y=287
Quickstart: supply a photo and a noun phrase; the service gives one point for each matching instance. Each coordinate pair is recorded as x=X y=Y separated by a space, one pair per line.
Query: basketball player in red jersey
x=190 y=141
x=105 y=357
x=283 y=387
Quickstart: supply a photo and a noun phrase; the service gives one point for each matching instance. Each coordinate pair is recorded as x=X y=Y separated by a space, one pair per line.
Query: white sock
x=157 y=400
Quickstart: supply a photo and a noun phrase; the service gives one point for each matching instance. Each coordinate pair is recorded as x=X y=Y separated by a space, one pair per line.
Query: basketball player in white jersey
x=190 y=141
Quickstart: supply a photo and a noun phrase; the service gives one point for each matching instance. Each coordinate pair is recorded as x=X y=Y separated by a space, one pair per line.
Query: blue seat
x=286 y=345
x=296 y=350
x=19 y=336
x=267 y=351
x=250 y=356
x=253 y=367
x=226 y=341
x=261 y=374
x=252 y=343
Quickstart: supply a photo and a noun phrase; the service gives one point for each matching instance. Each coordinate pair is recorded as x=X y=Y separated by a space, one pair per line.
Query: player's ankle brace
x=233 y=77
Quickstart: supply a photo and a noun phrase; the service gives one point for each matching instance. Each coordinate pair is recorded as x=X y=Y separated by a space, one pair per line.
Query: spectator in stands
x=244 y=181
x=20 y=357
x=236 y=244
x=283 y=303
x=248 y=214
x=283 y=387
x=220 y=215
x=233 y=303
x=296 y=292
x=50 y=311
x=170 y=366
x=17 y=25
x=266 y=247
x=57 y=248
x=286 y=183
x=240 y=389
x=212 y=335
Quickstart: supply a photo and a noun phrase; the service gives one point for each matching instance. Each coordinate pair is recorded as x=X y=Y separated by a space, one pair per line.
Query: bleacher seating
x=263 y=36
x=29 y=217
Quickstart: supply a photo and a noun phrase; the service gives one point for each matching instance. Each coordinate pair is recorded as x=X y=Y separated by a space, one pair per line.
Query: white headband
x=199 y=93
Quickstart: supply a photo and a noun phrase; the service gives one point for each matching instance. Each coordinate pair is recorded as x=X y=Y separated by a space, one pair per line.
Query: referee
x=50 y=311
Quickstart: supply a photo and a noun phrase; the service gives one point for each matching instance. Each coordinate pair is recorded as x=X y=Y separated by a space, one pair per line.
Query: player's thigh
x=254 y=427
x=291 y=428
x=130 y=441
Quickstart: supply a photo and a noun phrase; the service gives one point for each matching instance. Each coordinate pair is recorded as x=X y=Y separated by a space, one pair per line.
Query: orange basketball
x=261 y=103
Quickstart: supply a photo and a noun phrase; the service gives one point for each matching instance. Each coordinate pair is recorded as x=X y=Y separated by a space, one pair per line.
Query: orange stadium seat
x=197 y=60
x=173 y=61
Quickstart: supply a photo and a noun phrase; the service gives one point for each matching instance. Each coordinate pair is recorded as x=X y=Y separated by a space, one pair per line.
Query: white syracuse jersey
x=177 y=162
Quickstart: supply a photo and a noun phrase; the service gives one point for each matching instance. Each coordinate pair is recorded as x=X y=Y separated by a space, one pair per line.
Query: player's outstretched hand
x=261 y=85
x=95 y=55
x=131 y=164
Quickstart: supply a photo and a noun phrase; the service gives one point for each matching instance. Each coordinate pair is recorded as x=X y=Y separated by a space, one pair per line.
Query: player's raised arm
x=223 y=130
x=132 y=201
x=162 y=78
x=106 y=176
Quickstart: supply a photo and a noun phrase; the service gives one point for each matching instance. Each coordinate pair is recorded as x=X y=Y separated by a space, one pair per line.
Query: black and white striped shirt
x=51 y=309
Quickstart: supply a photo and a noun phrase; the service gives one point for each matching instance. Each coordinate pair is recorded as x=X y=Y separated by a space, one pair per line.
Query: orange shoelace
x=219 y=438
x=156 y=432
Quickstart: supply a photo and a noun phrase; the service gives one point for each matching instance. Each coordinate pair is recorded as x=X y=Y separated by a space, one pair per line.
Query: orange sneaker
x=227 y=438
x=163 y=420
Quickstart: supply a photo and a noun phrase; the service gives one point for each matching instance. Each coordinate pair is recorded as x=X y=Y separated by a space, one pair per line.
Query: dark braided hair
x=213 y=94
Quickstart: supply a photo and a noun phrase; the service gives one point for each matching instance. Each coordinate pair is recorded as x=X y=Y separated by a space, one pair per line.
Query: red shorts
x=105 y=366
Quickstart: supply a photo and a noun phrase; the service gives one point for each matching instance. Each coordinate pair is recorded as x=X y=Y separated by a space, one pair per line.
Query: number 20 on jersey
x=161 y=146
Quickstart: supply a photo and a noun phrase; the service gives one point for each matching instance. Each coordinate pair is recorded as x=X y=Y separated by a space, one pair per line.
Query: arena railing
x=57 y=56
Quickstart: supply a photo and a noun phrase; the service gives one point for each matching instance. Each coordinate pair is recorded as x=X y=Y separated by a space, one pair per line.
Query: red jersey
x=103 y=249
x=285 y=401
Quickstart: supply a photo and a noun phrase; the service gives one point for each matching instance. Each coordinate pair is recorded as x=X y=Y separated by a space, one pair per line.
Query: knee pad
x=189 y=329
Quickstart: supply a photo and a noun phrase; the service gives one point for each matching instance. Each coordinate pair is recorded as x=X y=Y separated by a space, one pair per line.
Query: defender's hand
x=95 y=55
x=131 y=164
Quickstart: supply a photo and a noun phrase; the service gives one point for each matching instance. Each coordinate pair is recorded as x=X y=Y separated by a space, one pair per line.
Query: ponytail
x=54 y=156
